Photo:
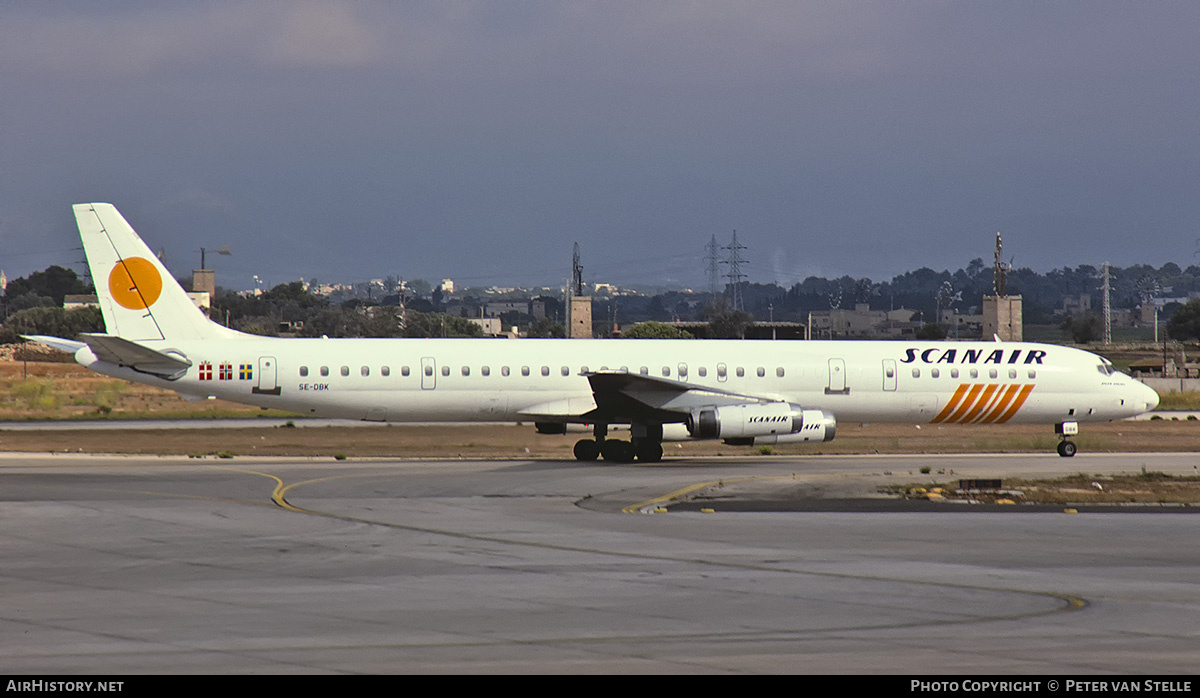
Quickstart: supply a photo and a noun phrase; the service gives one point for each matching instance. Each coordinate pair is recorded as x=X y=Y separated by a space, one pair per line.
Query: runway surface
x=168 y=565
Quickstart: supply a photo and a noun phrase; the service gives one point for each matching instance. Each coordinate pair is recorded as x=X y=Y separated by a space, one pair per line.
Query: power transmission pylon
x=735 y=274
x=714 y=267
x=1106 y=303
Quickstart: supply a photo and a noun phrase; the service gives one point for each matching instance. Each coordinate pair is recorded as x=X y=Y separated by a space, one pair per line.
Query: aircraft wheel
x=1066 y=449
x=586 y=449
x=649 y=451
x=617 y=451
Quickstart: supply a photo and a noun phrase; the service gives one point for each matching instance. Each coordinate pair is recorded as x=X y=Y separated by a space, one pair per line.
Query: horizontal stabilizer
x=67 y=345
x=122 y=352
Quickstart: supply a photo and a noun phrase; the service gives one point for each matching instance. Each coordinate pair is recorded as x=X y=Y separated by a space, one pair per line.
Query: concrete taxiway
x=164 y=565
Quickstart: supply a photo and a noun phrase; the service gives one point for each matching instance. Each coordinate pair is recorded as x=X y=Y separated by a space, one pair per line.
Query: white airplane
x=743 y=392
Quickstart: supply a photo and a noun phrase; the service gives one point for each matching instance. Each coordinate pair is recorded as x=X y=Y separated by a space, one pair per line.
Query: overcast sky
x=479 y=140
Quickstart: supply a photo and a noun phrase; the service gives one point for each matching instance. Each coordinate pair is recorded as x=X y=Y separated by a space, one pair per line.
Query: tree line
x=33 y=304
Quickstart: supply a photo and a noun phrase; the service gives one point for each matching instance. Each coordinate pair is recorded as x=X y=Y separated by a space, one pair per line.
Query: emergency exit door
x=268 y=377
x=837 y=378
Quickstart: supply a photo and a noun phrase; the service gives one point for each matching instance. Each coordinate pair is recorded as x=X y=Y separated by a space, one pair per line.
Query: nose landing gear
x=1066 y=447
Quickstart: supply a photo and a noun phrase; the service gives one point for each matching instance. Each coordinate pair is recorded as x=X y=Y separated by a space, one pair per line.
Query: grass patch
x=1081 y=488
x=1179 y=401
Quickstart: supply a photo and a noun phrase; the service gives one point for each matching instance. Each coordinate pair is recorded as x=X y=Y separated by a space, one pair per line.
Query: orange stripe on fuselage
x=962 y=389
x=979 y=404
x=1001 y=403
x=1016 y=405
x=967 y=403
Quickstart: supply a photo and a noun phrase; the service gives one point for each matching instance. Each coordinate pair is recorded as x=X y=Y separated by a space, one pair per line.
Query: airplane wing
x=122 y=352
x=621 y=397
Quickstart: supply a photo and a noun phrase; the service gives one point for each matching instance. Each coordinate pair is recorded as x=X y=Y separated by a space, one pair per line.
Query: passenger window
x=666 y=371
x=779 y=372
x=566 y=371
x=324 y=370
x=1032 y=373
x=644 y=370
x=365 y=371
x=954 y=373
x=466 y=370
x=545 y=370
x=445 y=370
x=485 y=370
x=583 y=369
x=1012 y=373
x=345 y=370
x=524 y=370
x=889 y=372
x=741 y=372
x=916 y=373
x=702 y=371
x=303 y=371
x=761 y=371
x=721 y=370
x=992 y=373
x=624 y=369
x=974 y=373
x=504 y=370
x=429 y=370
x=385 y=371
x=683 y=371
x=404 y=370
x=934 y=373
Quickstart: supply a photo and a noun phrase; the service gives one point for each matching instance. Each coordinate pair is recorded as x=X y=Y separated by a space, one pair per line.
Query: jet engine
x=819 y=425
x=742 y=423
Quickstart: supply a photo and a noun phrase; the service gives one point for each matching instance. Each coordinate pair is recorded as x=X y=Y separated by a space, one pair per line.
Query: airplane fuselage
x=737 y=391
x=427 y=380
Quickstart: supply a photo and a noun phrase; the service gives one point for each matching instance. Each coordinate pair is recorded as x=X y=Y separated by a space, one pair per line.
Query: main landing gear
x=1066 y=447
x=645 y=445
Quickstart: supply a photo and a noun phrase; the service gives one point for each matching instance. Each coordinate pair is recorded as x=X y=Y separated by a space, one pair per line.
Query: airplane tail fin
x=139 y=298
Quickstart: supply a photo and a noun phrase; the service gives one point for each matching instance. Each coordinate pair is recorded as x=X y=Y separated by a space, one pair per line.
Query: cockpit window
x=1106 y=369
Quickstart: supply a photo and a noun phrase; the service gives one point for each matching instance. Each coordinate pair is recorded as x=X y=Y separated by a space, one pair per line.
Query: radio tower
x=999 y=271
x=735 y=274
x=714 y=267
x=576 y=274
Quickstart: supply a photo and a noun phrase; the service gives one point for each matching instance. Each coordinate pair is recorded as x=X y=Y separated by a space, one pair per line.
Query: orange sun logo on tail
x=135 y=283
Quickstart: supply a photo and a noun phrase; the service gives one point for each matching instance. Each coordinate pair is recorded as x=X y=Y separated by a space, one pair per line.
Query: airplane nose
x=1150 y=396
x=1146 y=395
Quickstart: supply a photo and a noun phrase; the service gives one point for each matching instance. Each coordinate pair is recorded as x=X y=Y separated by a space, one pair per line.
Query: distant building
x=579 y=317
x=1074 y=306
x=74 y=302
x=71 y=302
x=754 y=330
x=1002 y=318
x=864 y=323
x=959 y=325
x=204 y=281
x=491 y=326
